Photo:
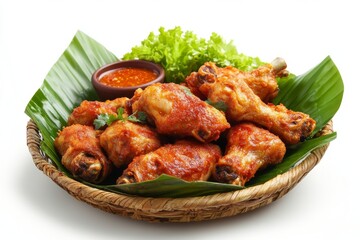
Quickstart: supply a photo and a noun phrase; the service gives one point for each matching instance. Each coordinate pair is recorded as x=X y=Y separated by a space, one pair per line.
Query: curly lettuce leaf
x=181 y=53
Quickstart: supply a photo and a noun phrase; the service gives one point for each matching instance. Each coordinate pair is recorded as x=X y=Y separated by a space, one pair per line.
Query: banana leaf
x=64 y=87
x=317 y=92
x=168 y=186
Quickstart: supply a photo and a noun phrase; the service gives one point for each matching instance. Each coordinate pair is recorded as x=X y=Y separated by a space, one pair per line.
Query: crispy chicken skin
x=262 y=81
x=123 y=140
x=88 y=111
x=249 y=149
x=186 y=159
x=243 y=105
x=175 y=111
x=81 y=153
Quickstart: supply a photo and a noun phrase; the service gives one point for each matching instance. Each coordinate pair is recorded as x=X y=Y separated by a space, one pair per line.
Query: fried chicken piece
x=249 y=149
x=81 y=153
x=88 y=111
x=262 y=81
x=186 y=159
x=123 y=140
x=175 y=111
x=243 y=105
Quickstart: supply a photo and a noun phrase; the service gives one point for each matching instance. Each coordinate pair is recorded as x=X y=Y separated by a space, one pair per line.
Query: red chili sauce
x=128 y=77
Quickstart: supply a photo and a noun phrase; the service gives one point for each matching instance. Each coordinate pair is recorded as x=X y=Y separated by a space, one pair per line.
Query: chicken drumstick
x=175 y=111
x=244 y=105
x=249 y=149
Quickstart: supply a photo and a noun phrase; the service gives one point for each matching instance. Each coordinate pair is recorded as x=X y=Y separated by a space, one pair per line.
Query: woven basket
x=176 y=209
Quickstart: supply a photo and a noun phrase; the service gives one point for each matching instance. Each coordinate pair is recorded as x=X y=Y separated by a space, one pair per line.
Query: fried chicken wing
x=175 y=111
x=249 y=148
x=81 y=153
x=185 y=159
x=123 y=140
x=262 y=81
x=243 y=105
x=88 y=111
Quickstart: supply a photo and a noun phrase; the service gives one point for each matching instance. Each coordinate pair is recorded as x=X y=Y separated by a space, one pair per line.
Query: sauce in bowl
x=128 y=77
x=122 y=78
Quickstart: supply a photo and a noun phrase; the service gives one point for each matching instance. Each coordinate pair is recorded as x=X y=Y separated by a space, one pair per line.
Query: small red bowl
x=106 y=92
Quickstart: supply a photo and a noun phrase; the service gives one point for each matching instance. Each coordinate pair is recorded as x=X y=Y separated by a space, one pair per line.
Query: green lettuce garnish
x=181 y=53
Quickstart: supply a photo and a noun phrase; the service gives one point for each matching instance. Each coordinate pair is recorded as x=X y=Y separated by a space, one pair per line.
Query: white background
x=33 y=35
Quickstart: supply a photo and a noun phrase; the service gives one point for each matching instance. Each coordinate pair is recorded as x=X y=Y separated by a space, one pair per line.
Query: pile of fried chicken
x=183 y=129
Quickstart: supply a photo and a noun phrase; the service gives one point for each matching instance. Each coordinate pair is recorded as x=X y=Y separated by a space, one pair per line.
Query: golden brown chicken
x=123 y=140
x=88 y=111
x=187 y=160
x=243 y=105
x=249 y=148
x=175 y=111
x=81 y=153
x=262 y=81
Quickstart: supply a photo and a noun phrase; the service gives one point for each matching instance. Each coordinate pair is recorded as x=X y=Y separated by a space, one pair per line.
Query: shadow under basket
x=186 y=209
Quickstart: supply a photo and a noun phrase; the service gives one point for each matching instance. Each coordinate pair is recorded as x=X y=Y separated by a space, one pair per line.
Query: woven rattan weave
x=176 y=209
